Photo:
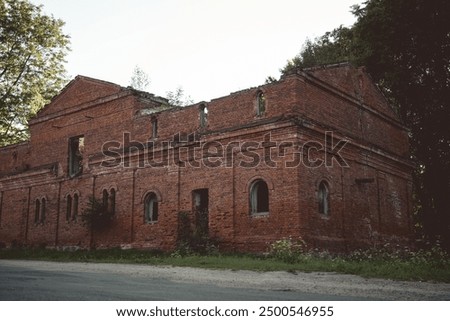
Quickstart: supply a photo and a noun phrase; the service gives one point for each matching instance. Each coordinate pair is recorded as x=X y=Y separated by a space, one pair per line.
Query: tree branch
x=18 y=77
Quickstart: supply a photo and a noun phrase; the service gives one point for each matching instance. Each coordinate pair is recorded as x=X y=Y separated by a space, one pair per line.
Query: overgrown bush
x=435 y=255
x=96 y=214
x=193 y=238
x=288 y=250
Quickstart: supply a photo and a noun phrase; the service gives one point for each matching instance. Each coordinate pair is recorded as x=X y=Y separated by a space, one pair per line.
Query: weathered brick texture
x=306 y=114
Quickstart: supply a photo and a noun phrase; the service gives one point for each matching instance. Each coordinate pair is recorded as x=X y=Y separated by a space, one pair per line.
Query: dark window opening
x=260 y=104
x=151 y=208
x=200 y=206
x=324 y=198
x=109 y=201
x=112 y=201
x=76 y=148
x=75 y=207
x=105 y=197
x=37 y=211
x=203 y=116
x=154 y=127
x=69 y=208
x=72 y=207
x=259 y=197
x=43 y=208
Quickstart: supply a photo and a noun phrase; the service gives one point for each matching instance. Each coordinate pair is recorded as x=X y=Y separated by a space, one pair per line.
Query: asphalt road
x=29 y=280
x=22 y=283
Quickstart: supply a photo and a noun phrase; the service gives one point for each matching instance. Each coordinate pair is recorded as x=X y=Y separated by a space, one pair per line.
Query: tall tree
x=334 y=46
x=32 y=52
x=405 y=45
x=408 y=52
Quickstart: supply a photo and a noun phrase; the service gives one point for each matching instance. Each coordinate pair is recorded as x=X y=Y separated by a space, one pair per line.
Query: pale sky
x=210 y=48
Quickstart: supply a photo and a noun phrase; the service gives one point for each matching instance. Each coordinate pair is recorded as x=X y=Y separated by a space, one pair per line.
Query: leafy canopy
x=333 y=47
x=32 y=52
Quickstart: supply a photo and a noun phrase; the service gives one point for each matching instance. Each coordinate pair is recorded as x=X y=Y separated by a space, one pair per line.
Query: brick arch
x=259 y=177
x=72 y=192
x=40 y=198
x=258 y=91
x=257 y=101
x=154 y=191
x=108 y=188
x=113 y=186
x=325 y=179
x=324 y=213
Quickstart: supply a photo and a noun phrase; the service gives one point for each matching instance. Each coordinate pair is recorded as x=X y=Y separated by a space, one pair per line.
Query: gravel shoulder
x=323 y=283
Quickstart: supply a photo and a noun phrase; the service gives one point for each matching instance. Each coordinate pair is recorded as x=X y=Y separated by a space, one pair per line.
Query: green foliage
x=97 y=215
x=434 y=256
x=333 y=47
x=139 y=79
x=408 y=54
x=32 y=51
x=288 y=250
x=405 y=46
x=179 y=98
x=270 y=79
x=193 y=238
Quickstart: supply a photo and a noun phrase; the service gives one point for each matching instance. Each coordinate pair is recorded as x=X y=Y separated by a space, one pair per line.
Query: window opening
x=154 y=127
x=151 y=208
x=43 y=209
x=203 y=116
x=75 y=206
x=260 y=104
x=37 y=211
x=259 y=197
x=76 y=148
x=69 y=208
x=324 y=198
x=112 y=201
x=105 y=197
x=200 y=205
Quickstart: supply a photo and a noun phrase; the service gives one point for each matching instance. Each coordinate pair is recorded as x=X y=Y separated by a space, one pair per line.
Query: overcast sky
x=210 y=48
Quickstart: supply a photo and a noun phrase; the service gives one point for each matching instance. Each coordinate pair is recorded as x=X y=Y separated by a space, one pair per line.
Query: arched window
x=112 y=201
x=260 y=104
x=109 y=201
x=69 y=208
x=76 y=148
x=43 y=203
x=203 y=115
x=324 y=198
x=72 y=207
x=105 y=197
x=75 y=206
x=150 y=208
x=154 y=127
x=37 y=211
x=259 y=197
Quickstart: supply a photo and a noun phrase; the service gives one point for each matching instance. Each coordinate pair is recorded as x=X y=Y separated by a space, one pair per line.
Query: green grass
x=421 y=267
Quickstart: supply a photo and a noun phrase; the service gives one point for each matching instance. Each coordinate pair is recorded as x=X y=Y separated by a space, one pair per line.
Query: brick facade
x=319 y=154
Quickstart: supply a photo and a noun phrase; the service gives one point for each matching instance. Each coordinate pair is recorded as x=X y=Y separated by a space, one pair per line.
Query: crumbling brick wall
x=292 y=145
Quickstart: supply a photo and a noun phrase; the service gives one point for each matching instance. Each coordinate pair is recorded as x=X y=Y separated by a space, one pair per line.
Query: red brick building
x=318 y=154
